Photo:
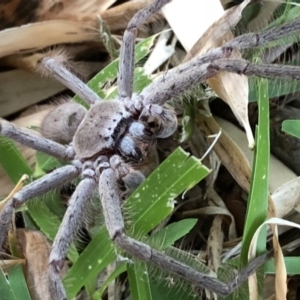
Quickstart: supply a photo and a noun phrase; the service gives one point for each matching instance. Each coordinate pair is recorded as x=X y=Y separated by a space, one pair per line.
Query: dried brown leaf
x=215 y=243
x=229 y=152
x=23 y=39
x=279 y=173
x=36 y=250
x=214 y=248
x=20 y=12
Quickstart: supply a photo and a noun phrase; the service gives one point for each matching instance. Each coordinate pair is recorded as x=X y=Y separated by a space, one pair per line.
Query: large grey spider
x=104 y=142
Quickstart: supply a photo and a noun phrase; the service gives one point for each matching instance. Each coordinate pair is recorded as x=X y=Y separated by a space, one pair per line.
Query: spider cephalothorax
x=103 y=144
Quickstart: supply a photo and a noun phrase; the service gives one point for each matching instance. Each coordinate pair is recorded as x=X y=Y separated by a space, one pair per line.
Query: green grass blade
x=96 y=256
x=292 y=127
x=188 y=122
x=12 y=161
x=139 y=281
x=18 y=283
x=5 y=289
x=44 y=164
x=291 y=263
x=168 y=235
x=162 y=291
x=257 y=208
x=258 y=198
x=277 y=88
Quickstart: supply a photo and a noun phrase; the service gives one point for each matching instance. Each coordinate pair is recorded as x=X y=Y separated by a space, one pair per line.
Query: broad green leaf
x=258 y=198
x=139 y=281
x=5 y=289
x=291 y=127
x=18 y=283
x=154 y=199
x=151 y=203
x=12 y=161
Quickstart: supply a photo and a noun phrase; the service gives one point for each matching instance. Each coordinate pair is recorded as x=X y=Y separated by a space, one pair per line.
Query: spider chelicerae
x=103 y=143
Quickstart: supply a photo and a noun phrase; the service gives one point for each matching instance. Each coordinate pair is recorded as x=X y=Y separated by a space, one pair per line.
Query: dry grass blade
x=17 y=187
x=21 y=39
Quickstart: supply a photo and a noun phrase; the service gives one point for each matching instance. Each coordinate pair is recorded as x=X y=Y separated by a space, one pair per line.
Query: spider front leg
x=126 y=64
x=110 y=198
x=247 y=68
x=54 y=67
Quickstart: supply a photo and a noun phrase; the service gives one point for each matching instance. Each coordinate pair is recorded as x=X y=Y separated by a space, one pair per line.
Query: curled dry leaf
x=228 y=151
x=279 y=173
x=217 y=200
x=287 y=197
x=76 y=22
x=281 y=274
x=215 y=243
x=232 y=88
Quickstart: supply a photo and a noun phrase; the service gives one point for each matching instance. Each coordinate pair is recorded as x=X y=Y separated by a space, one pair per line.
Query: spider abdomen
x=62 y=122
x=101 y=128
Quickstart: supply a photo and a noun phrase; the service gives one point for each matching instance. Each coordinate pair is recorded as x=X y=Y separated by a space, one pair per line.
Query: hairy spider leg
x=63 y=75
x=109 y=193
x=28 y=138
x=36 y=188
x=247 y=68
x=72 y=220
x=178 y=80
x=126 y=62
